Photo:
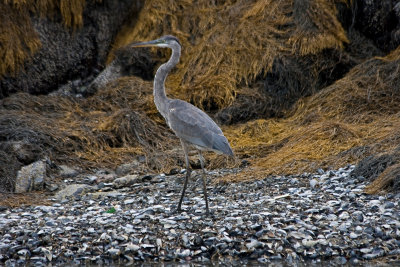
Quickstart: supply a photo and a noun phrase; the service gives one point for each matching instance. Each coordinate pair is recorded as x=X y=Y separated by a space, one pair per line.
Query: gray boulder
x=31 y=177
x=73 y=190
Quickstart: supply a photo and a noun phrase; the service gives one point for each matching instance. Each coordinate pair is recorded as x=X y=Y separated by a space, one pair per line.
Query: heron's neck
x=160 y=98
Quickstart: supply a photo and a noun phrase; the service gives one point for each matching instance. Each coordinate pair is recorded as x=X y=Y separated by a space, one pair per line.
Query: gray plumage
x=196 y=127
x=192 y=125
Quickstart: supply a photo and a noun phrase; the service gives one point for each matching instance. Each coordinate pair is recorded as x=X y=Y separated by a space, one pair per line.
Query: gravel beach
x=288 y=219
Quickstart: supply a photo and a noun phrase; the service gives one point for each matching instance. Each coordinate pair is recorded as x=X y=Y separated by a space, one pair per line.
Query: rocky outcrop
x=69 y=54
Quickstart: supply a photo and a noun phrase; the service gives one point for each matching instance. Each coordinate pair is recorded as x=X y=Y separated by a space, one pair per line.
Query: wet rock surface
x=290 y=219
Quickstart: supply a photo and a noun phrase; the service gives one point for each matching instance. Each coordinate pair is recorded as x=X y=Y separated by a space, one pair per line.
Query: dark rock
x=68 y=54
x=389 y=205
x=126 y=181
x=174 y=171
x=378 y=22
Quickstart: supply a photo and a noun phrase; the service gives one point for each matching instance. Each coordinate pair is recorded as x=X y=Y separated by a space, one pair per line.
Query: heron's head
x=165 y=41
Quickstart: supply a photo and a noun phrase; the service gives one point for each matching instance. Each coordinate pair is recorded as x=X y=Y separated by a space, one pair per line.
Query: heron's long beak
x=146 y=44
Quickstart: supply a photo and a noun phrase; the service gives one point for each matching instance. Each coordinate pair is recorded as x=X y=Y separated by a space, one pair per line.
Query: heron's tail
x=221 y=144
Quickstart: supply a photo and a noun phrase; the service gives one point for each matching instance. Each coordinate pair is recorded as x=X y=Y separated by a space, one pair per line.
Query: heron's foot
x=175 y=210
x=206 y=214
x=209 y=214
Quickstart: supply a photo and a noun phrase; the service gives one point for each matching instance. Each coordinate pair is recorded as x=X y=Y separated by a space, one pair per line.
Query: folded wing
x=194 y=126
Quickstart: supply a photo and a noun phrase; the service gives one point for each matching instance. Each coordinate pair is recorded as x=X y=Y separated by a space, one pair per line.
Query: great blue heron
x=192 y=125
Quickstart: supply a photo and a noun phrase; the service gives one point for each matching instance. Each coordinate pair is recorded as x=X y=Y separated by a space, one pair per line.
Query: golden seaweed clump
x=388 y=179
x=317 y=27
x=18 y=38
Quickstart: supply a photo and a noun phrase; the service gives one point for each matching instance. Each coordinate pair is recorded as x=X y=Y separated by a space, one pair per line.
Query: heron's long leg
x=188 y=171
x=204 y=181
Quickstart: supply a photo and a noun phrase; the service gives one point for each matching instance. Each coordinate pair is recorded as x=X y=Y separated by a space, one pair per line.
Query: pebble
x=289 y=219
x=389 y=205
x=313 y=183
x=353 y=235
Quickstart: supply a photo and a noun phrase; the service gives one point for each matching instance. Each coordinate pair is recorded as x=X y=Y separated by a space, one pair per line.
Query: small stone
x=92 y=179
x=114 y=252
x=255 y=217
x=343 y=227
x=378 y=231
x=344 y=215
x=331 y=217
x=126 y=181
x=309 y=243
x=51 y=223
x=313 y=183
x=366 y=250
x=52 y=187
x=47 y=253
x=352 y=195
x=173 y=171
x=226 y=239
x=254 y=244
x=358 y=216
x=340 y=260
x=129 y=201
x=374 y=202
x=132 y=247
x=159 y=243
x=147 y=246
x=389 y=205
x=353 y=235
x=198 y=241
x=67 y=172
x=359 y=229
x=24 y=253
x=148 y=178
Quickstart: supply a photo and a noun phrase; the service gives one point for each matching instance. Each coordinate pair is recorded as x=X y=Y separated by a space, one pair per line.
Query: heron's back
x=195 y=127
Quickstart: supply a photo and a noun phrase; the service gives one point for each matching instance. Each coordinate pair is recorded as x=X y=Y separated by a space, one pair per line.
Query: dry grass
x=12 y=200
x=18 y=41
x=317 y=27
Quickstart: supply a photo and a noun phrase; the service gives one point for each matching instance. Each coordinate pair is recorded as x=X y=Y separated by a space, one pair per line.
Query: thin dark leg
x=204 y=182
x=188 y=171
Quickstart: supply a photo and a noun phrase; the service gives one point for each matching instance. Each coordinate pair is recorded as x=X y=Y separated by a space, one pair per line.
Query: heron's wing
x=194 y=126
